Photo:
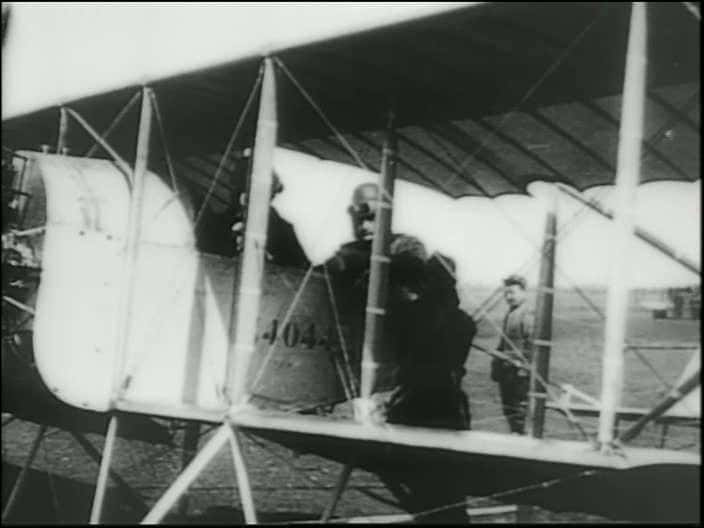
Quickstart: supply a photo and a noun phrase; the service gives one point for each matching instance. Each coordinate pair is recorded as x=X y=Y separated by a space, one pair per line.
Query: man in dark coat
x=434 y=337
x=430 y=336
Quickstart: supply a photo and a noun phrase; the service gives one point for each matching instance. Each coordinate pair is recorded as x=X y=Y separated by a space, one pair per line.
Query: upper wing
x=488 y=98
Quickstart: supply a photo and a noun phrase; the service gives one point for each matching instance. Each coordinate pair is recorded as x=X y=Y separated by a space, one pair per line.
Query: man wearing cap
x=428 y=331
x=516 y=344
x=430 y=337
x=349 y=269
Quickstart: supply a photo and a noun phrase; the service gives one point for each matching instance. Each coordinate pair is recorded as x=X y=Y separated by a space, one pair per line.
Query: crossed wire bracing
x=356 y=156
x=349 y=390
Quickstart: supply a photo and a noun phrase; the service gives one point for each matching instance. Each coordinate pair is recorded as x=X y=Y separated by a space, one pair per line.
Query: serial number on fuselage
x=296 y=334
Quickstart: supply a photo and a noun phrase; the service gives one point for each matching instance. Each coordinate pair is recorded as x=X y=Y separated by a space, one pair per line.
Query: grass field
x=290 y=488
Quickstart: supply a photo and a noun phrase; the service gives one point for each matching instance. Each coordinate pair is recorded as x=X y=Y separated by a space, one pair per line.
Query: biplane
x=121 y=317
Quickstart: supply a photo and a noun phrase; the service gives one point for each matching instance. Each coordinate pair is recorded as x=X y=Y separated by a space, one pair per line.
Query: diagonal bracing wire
x=500 y=494
x=546 y=384
x=563 y=230
x=602 y=316
x=316 y=107
x=560 y=59
x=340 y=333
x=361 y=164
x=287 y=318
x=120 y=115
x=461 y=166
x=164 y=144
x=177 y=290
x=558 y=270
x=230 y=144
x=349 y=147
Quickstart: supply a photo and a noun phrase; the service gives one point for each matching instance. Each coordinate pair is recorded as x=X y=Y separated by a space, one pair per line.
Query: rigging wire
x=596 y=309
x=341 y=138
x=546 y=385
x=562 y=231
x=500 y=494
x=540 y=251
x=230 y=145
x=131 y=369
x=602 y=316
x=361 y=164
x=120 y=115
x=508 y=217
x=461 y=168
x=164 y=143
x=287 y=318
x=340 y=334
x=357 y=158
x=557 y=63
x=557 y=269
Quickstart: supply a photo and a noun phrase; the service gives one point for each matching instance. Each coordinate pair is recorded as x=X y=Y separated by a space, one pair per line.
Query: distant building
x=673 y=303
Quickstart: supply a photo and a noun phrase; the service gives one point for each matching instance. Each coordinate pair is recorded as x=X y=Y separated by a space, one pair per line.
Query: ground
x=289 y=488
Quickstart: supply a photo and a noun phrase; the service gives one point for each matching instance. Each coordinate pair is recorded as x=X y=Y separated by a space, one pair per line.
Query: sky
x=58 y=52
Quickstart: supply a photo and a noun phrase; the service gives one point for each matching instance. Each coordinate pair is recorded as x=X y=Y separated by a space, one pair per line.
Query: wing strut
x=63 y=131
x=246 y=298
x=542 y=332
x=19 y=483
x=378 y=277
x=134 y=228
x=676 y=395
x=119 y=161
x=627 y=177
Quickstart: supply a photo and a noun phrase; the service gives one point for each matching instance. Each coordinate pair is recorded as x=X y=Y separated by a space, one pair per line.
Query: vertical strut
x=128 y=494
x=337 y=493
x=675 y=395
x=245 y=489
x=627 y=177
x=185 y=479
x=63 y=130
x=97 y=509
x=134 y=225
x=542 y=332
x=378 y=275
x=246 y=298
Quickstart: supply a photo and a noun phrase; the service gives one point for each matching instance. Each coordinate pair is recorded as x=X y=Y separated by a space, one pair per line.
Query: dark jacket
x=429 y=333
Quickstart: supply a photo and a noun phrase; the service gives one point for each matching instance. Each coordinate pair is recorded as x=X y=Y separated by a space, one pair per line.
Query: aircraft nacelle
x=173 y=352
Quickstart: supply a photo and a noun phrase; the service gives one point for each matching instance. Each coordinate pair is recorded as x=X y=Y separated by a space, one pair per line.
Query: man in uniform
x=516 y=344
x=430 y=336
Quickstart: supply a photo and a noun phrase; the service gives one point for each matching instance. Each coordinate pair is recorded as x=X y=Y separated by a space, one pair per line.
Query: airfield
x=296 y=488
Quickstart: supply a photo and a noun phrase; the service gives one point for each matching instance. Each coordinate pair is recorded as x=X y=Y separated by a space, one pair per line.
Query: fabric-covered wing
x=648 y=485
x=487 y=99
